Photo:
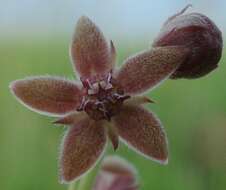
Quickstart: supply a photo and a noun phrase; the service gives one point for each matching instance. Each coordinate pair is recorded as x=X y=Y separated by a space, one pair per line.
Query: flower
x=200 y=35
x=105 y=103
x=116 y=174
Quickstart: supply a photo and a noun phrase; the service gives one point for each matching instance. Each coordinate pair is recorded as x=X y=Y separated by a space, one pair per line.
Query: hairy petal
x=47 y=95
x=138 y=100
x=143 y=131
x=147 y=69
x=71 y=118
x=90 y=52
x=112 y=133
x=113 y=54
x=82 y=145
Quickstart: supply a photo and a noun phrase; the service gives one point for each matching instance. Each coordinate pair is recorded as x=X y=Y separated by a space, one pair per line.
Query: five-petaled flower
x=106 y=103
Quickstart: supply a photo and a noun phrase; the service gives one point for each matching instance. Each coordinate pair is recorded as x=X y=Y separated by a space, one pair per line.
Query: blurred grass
x=29 y=142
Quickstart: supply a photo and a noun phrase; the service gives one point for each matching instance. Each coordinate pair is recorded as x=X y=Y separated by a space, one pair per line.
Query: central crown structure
x=103 y=98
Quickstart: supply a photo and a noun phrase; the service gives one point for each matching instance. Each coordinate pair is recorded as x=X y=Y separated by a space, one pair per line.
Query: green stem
x=87 y=182
x=73 y=185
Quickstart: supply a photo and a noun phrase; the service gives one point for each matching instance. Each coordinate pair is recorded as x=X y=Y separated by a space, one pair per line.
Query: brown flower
x=200 y=35
x=105 y=103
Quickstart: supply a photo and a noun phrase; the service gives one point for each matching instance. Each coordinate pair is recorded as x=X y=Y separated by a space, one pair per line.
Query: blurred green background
x=193 y=113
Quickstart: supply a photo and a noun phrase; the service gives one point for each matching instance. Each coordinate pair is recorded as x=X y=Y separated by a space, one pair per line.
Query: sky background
x=119 y=19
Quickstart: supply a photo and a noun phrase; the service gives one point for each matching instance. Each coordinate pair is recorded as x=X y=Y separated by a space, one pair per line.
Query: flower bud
x=116 y=174
x=200 y=35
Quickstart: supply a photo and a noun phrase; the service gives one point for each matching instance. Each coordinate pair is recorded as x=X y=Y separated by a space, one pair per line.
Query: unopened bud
x=200 y=35
x=116 y=174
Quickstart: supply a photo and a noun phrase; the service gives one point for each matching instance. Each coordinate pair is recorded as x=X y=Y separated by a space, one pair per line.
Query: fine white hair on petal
x=29 y=107
x=163 y=162
x=22 y=95
x=142 y=131
x=147 y=69
x=62 y=181
x=91 y=54
x=62 y=160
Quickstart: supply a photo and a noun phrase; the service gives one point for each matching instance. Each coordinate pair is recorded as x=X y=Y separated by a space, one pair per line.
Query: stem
x=87 y=182
x=73 y=185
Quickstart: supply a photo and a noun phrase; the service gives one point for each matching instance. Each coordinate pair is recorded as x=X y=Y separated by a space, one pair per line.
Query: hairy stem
x=87 y=182
x=73 y=185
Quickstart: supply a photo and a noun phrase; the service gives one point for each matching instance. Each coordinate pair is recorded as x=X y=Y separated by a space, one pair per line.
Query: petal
x=82 y=145
x=112 y=135
x=147 y=69
x=90 y=52
x=71 y=118
x=47 y=95
x=143 y=131
x=138 y=100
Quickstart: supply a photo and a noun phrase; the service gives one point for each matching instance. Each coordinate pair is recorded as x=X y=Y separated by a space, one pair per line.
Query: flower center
x=103 y=98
